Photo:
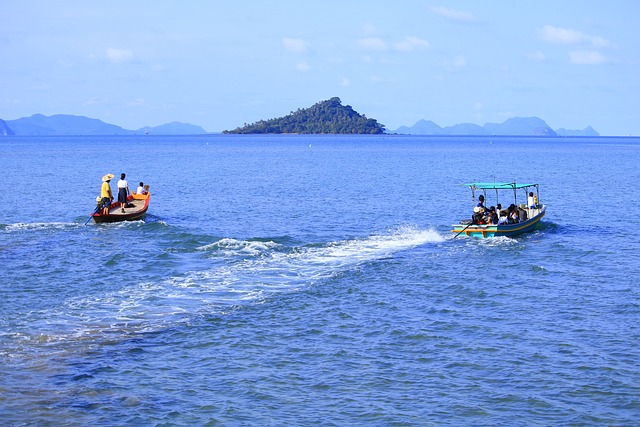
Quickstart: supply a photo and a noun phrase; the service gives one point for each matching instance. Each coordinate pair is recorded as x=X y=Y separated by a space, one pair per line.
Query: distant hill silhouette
x=4 y=129
x=61 y=124
x=521 y=126
x=173 y=128
x=588 y=131
x=328 y=116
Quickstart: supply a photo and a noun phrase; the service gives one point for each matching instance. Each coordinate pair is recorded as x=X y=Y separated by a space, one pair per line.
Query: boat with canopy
x=518 y=218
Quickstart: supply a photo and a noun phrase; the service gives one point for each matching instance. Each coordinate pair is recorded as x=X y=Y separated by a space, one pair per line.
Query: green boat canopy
x=497 y=185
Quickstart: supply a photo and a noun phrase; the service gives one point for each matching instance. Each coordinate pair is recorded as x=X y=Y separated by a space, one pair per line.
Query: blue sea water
x=314 y=280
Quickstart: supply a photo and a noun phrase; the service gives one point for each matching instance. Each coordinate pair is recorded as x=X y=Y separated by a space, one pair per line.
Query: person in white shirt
x=123 y=191
x=141 y=189
x=503 y=219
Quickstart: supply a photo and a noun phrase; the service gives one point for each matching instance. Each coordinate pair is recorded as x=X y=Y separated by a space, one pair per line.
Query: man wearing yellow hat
x=106 y=194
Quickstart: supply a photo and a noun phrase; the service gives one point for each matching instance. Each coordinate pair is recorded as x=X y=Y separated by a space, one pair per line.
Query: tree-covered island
x=324 y=117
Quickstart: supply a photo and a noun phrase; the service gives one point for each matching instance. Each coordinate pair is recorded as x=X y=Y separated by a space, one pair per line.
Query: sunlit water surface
x=314 y=280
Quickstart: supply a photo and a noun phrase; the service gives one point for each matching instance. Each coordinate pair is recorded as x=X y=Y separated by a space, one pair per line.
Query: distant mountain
x=61 y=124
x=4 y=129
x=422 y=127
x=520 y=126
x=173 y=128
x=588 y=131
x=464 y=129
x=330 y=117
x=525 y=126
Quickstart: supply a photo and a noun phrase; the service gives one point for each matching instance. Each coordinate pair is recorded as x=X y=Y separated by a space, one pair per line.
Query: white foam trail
x=356 y=251
x=269 y=269
x=273 y=269
x=9 y=228
x=233 y=246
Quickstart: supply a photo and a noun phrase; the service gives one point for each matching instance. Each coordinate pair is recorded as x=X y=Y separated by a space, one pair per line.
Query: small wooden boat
x=527 y=218
x=140 y=204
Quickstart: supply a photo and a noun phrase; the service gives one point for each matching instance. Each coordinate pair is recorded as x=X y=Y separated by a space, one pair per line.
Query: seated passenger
x=522 y=214
x=512 y=214
x=478 y=215
x=493 y=215
x=142 y=189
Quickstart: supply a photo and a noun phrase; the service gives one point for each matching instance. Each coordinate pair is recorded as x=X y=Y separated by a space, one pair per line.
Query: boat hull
x=140 y=202
x=482 y=231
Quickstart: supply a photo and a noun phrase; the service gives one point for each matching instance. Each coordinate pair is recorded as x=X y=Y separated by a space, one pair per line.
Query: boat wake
x=25 y=227
x=249 y=271
x=37 y=226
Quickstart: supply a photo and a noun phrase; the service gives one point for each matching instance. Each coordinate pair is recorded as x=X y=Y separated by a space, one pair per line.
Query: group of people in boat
x=496 y=215
x=106 y=196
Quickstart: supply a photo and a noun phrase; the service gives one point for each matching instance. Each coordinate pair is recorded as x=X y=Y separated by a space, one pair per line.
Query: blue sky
x=222 y=64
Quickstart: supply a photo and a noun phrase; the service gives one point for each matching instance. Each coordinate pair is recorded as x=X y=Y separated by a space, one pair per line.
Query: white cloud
x=118 y=55
x=94 y=101
x=303 y=66
x=345 y=82
x=568 y=36
x=369 y=28
x=600 y=43
x=372 y=43
x=460 y=61
x=454 y=15
x=587 y=57
x=537 y=56
x=65 y=64
x=408 y=44
x=137 y=102
x=557 y=35
x=456 y=63
x=411 y=43
x=295 y=45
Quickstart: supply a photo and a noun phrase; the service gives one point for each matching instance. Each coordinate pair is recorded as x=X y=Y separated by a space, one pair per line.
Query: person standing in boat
x=479 y=212
x=481 y=203
x=123 y=191
x=106 y=196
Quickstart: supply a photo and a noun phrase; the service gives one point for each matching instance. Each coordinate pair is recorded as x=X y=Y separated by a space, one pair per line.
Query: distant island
x=325 y=117
x=66 y=125
x=519 y=126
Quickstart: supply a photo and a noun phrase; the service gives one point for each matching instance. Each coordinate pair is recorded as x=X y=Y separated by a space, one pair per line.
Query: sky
x=221 y=64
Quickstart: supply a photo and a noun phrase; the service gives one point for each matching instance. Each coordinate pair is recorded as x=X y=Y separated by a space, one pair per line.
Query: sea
x=292 y=280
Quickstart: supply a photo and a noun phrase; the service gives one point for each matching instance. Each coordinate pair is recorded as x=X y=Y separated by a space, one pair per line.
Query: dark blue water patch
x=545 y=226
